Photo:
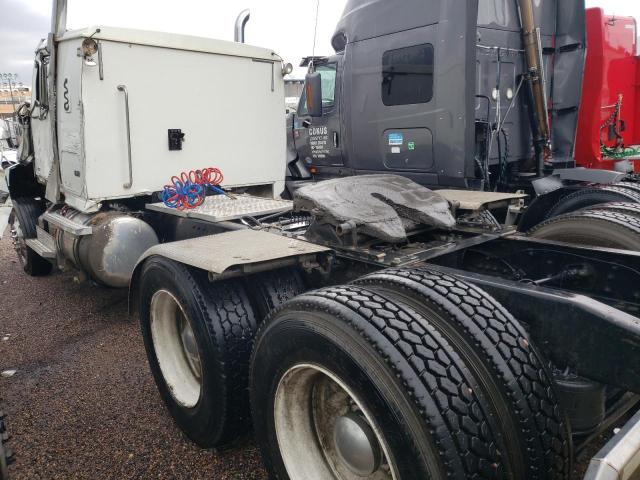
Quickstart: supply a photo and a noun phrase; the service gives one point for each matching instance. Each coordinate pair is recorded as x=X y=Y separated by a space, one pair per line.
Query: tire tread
x=508 y=353
x=607 y=193
x=432 y=374
x=231 y=324
x=28 y=210
x=619 y=218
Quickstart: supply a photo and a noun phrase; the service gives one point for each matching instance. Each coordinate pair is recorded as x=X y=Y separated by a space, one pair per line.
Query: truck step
x=46 y=239
x=66 y=224
x=40 y=248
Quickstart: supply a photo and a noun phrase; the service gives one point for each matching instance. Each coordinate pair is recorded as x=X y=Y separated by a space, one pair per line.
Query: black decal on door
x=67 y=105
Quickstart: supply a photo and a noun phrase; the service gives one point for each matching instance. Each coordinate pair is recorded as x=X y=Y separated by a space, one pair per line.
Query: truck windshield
x=328 y=75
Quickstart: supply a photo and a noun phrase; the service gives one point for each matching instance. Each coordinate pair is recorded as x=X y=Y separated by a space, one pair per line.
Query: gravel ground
x=82 y=403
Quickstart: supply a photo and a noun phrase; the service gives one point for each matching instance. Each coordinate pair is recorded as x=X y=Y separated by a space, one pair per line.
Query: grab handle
x=123 y=88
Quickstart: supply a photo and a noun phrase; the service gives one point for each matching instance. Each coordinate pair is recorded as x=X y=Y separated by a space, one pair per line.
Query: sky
x=285 y=26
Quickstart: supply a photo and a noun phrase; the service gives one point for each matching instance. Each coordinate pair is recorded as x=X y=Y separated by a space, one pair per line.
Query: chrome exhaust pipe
x=59 y=17
x=241 y=22
x=536 y=80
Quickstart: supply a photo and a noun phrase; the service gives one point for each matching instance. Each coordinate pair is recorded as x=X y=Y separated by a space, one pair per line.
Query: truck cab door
x=318 y=139
x=41 y=118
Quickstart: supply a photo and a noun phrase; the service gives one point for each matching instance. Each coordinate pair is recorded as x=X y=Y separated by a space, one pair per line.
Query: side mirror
x=313 y=86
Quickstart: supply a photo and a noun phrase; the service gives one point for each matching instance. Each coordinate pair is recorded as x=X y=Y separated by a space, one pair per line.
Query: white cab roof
x=173 y=41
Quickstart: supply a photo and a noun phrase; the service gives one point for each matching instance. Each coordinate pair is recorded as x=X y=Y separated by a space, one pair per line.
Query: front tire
x=22 y=224
x=346 y=359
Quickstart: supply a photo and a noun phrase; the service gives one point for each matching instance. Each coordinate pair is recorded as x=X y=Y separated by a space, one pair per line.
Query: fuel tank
x=109 y=254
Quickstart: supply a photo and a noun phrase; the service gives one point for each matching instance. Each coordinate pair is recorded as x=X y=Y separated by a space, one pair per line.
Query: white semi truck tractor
x=368 y=329
x=115 y=114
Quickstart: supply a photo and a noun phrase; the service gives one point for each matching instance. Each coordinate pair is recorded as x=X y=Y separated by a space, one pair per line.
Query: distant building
x=12 y=98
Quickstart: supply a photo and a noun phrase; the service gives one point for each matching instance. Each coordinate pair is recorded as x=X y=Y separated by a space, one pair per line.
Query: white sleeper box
x=227 y=98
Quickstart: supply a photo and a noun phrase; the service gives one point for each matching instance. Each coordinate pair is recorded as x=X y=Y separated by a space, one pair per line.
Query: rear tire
x=499 y=354
x=198 y=337
x=609 y=229
x=23 y=221
x=633 y=186
x=632 y=209
x=588 y=197
x=269 y=290
x=386 y=364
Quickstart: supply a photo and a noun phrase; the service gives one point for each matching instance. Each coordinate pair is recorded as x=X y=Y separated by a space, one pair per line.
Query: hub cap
x=324 y=431
x=356 y=444
x=176 y=348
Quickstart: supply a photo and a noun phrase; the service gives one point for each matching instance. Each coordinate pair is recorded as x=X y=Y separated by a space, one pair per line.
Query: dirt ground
x=82 y=403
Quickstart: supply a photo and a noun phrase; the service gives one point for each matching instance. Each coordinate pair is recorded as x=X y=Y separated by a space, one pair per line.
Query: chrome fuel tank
x=109 y=254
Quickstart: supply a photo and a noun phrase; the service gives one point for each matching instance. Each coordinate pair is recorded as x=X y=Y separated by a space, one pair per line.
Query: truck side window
x=497 y=12
x=407 y=75
x=328 y=75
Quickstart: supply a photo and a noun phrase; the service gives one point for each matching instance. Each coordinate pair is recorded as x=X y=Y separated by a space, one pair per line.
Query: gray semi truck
x=489 y=102
x=366 y=329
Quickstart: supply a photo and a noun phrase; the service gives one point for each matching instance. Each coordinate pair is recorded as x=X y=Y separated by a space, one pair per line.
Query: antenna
x=315 y=29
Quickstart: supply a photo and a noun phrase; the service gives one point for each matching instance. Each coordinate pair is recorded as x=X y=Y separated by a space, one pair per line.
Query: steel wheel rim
x=18 y=240
x=309 y=406
x=176 y=349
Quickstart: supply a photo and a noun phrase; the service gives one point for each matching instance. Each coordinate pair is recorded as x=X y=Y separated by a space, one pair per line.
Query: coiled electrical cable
x=189 y=189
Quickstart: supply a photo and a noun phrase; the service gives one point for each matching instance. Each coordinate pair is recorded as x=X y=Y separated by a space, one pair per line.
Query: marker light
x=89 y=47
x=287 y=68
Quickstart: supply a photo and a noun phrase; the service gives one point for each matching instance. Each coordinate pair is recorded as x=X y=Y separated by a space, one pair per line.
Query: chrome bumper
x=619 y=459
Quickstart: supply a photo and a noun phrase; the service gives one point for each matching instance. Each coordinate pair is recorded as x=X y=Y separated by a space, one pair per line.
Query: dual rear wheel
x=404 y=374
x=609 y=225
x=198 y=337
x=601 y=216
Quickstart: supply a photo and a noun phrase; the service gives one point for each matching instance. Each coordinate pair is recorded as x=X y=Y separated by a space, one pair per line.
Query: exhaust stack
x=536 y=80
x=59 y=17
x=241 y=22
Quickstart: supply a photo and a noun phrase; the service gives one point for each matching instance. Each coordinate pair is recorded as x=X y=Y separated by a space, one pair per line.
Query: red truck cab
x=609 y=111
